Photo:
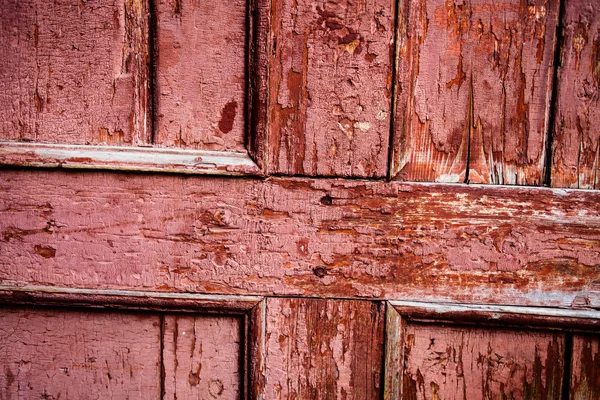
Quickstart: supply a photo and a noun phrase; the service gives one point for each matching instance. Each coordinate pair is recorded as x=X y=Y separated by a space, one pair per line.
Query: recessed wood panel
x=202 y=357
x=323 y=349
x=331 y=79
x=58 y=354
x=576 y=140
x=473 y=90
x=74 y=72
x=200 y=74
x=585 y=368
x=442 y=362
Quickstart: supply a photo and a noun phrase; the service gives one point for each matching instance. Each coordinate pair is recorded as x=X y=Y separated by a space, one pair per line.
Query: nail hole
x=320 y=271
x=326 y=200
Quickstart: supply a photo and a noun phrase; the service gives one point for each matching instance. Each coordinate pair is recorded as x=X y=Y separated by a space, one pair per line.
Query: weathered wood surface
x=202 y=357
x=585 y=368
x=283 y=236
x=473 y=90
x=576 y=139
x=74 y=72
x=58 y=354
x=200 y=74
x=323 y=349
x=330 y=87
x=473 y=363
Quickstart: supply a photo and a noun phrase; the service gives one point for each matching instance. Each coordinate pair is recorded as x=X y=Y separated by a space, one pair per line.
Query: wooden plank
x=127 y=299
x=202 y=356
x=197 y=162
x=257 y=350
x=394 y=345
x=330 y=79
x=473 y=363
x=326 y=349
x=473 y=90
x=576 y=136
x=283 y=236
x=585 y=368
x=200 y=74
x=58 y=354
x=74 y=72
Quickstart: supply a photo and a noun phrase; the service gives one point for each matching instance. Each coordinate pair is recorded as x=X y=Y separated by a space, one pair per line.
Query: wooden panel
x=576 y=138
x=50 y=354
x=200 y=74
x=323 y=349
x=74 y=72
x=331 y=71
x=585 y=368
x=471 y=363
x=202 y=356
x=282 y=236
x=473 y=94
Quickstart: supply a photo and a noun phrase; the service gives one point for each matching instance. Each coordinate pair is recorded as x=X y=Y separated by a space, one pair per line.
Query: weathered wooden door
x=296 y=199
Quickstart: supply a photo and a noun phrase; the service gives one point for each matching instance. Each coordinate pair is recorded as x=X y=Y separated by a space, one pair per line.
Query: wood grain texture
x=576 y=136
x=200 y=74
x=58 y=354
x=394 y=336
x=202 y=357
x=473 y=90
x=323 y=349
x=74 y=72
x=585 y=368
x=472 y=363
x=330 y=87
x=527 y=246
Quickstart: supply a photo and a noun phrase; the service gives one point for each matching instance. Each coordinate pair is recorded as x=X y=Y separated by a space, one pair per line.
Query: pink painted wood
x=201 y=74
x=474 y=363
x=576 y=142
x=473 y=90
x=202 y=357
x=330 y=87
x=332 y=238
x=58 y=354
x=74 y=72
x=323 y=349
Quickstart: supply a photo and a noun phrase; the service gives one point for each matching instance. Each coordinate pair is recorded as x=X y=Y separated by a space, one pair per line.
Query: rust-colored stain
x=45 y=251
x=228 y=116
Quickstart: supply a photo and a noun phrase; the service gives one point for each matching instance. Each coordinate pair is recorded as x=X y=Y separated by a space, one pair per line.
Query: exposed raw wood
x=575 y=147
x=585 y=368
x=127 y=299
x=394 y=334
x=481 y=244
x=582 y=319
x=201 y=74
x=471 y=363
x=473 y=90
x=258 y=80
x=323 y=349
x=202 y=357
x=330 y=87
x=74 y=72
x=257 y=350
x=127 y=159
x=57 y=354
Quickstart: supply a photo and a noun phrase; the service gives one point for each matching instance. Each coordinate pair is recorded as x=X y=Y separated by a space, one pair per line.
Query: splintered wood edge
x=197 y=162
x=546 y=317
x=127 y=299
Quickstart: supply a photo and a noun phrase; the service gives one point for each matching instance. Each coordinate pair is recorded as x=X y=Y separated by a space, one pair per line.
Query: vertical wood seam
x=152 y=53
x=557 y=61
x=567 y=361
x=395 y=65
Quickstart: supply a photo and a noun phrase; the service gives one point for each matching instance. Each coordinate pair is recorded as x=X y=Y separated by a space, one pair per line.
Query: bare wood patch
x=585 y=368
